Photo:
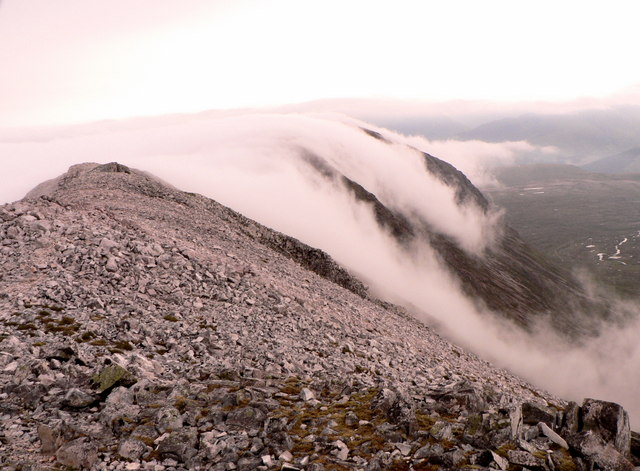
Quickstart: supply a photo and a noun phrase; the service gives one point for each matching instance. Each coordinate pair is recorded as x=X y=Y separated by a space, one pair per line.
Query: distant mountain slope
x=624 y=162
x=580 y=135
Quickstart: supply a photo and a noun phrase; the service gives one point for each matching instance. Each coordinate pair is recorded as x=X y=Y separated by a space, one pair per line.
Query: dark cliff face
x=510 y=278
x=466 y=192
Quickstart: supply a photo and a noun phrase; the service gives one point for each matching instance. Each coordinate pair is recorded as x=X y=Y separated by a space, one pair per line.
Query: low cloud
x=256 y=165
x=478 y=159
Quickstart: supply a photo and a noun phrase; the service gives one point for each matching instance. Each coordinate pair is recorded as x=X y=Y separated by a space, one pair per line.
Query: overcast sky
x=69 y=61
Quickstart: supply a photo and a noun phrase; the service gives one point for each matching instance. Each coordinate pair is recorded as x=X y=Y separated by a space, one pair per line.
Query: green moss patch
x=112 y=376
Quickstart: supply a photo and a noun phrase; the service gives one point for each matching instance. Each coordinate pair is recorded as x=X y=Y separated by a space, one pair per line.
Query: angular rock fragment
x=76 y=398
x=168 y=419
x=132 y=449
x=429 y=452
x=515 y=416
x=571 y=418
x=523 y=458
x=350 y=419
x=533 y=413
x=50 y=439
x=246 y=417
x=112 y=264
x=179 y=445
x=79 y=453
x=306 y=394
x=609 y=420
x=553 y=436
x=502 y=463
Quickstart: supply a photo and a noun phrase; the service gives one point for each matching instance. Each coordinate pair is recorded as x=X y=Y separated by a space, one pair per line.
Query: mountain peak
x=141 y=324
x=82 y=174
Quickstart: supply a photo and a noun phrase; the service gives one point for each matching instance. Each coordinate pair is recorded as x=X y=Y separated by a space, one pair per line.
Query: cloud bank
x=259 y=165
x=478 y=159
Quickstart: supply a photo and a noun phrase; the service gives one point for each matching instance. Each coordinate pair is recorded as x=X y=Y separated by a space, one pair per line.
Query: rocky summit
x=142 y=327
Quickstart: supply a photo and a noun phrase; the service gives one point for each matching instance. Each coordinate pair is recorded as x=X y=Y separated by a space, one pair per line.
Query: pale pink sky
x=68 y=61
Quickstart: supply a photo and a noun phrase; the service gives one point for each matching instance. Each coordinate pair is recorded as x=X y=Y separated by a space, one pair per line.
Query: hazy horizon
x=73 y=61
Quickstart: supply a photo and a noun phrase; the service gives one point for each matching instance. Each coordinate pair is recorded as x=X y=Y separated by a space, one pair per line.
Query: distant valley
x=581 y=219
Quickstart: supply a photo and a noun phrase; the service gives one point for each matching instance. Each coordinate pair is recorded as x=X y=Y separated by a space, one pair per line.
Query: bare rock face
x=594 y=449
x=608 y=420
x=146 y=328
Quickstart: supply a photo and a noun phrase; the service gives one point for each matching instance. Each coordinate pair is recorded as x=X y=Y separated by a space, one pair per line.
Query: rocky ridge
x=146 y=328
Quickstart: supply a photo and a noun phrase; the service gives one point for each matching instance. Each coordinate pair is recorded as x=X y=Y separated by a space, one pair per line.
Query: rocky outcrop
x=609 y=420
x=146 y=328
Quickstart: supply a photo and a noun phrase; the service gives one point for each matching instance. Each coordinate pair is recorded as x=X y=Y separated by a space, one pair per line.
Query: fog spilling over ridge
x=376 y=203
